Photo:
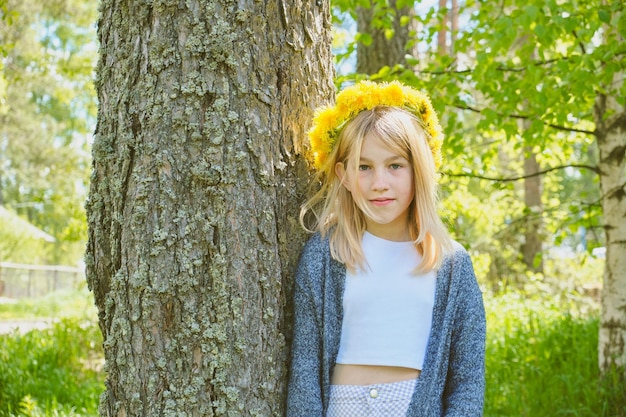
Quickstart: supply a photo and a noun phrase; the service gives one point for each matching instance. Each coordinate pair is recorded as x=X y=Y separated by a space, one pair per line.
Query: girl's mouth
x=381 y=201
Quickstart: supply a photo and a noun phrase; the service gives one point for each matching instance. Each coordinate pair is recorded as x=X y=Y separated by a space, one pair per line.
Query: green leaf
x=540 y=31
x=532 y=11
x=364 y=38
x=604 y=15
x=411 y=60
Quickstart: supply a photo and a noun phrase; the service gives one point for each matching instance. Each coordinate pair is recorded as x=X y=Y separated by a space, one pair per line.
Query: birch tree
x=610 y=133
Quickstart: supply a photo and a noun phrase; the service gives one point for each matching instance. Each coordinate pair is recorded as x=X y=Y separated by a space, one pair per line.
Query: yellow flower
x=366 y=95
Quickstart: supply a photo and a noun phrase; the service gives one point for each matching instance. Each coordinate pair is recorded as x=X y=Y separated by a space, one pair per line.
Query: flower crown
x=365 y=95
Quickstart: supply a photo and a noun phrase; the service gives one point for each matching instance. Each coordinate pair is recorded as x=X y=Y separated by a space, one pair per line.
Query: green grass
x=542 y=360
x=56 y=371
x=60 y=304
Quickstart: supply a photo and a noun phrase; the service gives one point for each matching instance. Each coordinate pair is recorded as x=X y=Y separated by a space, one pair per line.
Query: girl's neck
x=399 y=236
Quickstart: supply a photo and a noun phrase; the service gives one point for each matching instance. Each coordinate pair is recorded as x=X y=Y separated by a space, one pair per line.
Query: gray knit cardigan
x=452 y=381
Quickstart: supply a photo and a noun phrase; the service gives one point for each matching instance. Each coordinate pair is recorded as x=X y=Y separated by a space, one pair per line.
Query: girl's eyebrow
x=390 y=159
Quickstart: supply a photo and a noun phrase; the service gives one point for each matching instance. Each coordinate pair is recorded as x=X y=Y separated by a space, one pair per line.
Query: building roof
x=24 y=225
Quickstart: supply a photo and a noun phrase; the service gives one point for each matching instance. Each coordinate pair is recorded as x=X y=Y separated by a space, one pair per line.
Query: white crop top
x=387 y=309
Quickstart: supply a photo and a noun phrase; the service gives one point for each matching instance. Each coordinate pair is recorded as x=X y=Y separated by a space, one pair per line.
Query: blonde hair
x=341 y=216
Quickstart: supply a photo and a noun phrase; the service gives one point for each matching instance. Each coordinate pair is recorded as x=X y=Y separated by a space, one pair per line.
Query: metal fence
x=19 y=281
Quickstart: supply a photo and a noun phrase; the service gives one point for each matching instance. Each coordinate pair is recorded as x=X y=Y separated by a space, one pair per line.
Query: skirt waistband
x=392 y=391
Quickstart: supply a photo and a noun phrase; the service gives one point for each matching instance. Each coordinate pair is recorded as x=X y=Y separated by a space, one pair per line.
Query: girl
x=389 y=319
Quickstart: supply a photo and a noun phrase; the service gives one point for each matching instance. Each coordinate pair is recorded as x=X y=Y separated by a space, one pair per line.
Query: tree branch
x=521 y=177
x=502 y=68
x=580 y=44
x=519 y=116
x=619 y=122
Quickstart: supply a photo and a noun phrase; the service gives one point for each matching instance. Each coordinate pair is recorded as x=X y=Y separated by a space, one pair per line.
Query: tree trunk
x=533 y=243
x=610 y=118
x=383 y=51
x=454 y=25
x=196 y=185
x=442 y=34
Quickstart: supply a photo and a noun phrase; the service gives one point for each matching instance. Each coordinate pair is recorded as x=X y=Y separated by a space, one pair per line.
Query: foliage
x=61 y=364
x=542 y=345
x=47 y=116
x=56 y=371
x=521 y=77
x=538 y=360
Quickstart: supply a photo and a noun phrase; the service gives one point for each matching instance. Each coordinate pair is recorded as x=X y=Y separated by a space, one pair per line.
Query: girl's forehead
x=374 y=144
x=373 y=140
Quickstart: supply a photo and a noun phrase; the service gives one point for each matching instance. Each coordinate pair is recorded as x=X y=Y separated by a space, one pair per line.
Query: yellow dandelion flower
x=366 y=95
x=396 y=93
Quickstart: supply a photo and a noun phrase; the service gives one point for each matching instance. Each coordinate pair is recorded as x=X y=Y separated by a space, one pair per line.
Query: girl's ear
x=340 y=170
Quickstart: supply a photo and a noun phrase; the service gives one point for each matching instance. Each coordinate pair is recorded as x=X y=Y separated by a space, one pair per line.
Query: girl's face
x=384 y=189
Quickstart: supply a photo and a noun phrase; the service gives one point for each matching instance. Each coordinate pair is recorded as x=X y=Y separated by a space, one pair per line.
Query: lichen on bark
x=197 y=177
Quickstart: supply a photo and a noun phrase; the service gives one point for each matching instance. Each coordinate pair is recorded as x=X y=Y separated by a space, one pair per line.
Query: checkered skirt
x=377 y=400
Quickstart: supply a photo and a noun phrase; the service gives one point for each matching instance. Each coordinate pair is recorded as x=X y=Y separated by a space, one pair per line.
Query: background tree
x=384 y=35
x=47 y=111
x=610 y=132
x=6 y=19
x=197 y=179
x=448 y=26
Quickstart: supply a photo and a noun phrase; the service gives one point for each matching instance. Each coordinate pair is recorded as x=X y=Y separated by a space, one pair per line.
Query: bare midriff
x=371 y=374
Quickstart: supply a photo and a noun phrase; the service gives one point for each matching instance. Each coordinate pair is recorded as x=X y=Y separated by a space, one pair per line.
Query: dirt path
x=23 y=326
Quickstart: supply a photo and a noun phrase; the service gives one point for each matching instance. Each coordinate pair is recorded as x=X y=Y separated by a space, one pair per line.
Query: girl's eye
x=396 y=166
x=363 y=167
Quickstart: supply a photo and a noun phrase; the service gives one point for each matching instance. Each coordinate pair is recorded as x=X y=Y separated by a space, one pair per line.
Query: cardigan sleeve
x=465 y=384
x=304 y=395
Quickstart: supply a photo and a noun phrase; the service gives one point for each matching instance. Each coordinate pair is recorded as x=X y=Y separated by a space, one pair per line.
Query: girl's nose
x=380 y=181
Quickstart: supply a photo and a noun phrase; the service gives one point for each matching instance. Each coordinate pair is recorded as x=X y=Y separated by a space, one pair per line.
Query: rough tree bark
x=383 y=51
x=610 y=118
x=197 y=179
